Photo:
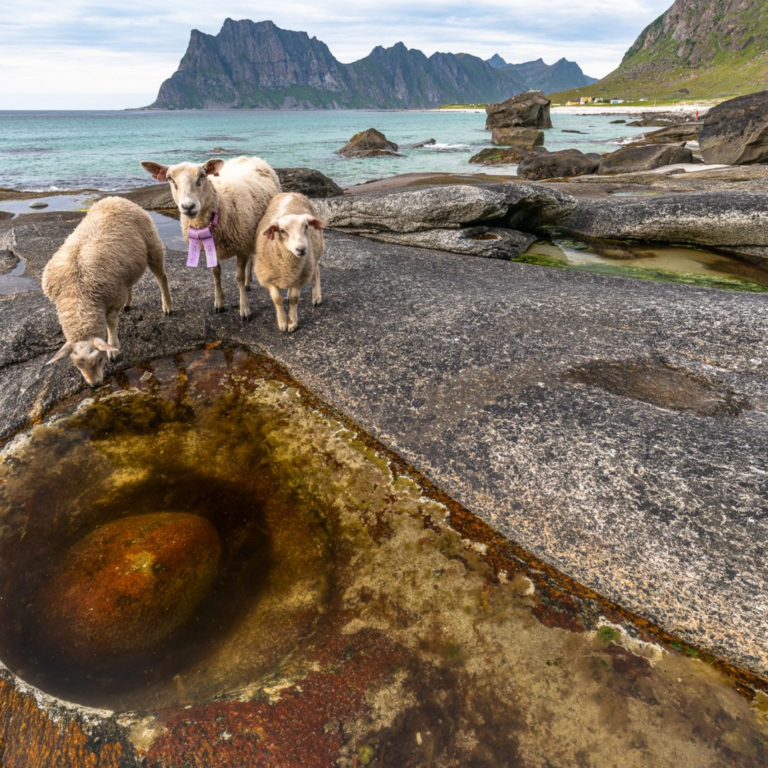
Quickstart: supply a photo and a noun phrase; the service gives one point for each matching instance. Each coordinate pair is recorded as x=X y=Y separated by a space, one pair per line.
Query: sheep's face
x=89 y=357
x=292 y=231
x=190 y=184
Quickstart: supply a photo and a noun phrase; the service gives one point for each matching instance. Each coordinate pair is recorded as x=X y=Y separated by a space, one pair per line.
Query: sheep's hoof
x=167 y=312
x=127 y=308
x=317 y=303
x=248 y=288
x=219 y=310
x=292 y=328
x=113 y=356
x=245 y=318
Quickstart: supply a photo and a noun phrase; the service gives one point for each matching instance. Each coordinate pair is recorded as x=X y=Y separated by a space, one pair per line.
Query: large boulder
x=370 y=143
x=524 y=138
x=633 y=159
x=557 y=165
x=308 y=181
x=736 y=131
x=526 y=110
x=451 y=206
x=736 y=222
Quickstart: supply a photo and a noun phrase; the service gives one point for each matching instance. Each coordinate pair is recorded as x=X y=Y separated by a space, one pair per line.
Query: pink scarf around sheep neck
x=203 y=237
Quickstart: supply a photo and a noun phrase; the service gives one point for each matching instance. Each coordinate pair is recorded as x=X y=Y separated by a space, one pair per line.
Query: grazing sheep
x=239 y=191
x=91 y=278
x=289 y=245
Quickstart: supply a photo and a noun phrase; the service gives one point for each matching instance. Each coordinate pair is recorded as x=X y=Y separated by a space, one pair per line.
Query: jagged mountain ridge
x=538 y=76
x=250 y=65
x=707 y=48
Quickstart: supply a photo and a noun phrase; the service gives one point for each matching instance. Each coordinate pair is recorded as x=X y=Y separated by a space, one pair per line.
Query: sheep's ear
x=315 y=223
x=63 y=352
x=102 y=346
x=212 y=167
x=157 y=171
x=269 y=232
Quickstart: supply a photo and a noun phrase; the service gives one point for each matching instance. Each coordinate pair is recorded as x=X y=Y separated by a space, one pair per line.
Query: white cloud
x=91 y=55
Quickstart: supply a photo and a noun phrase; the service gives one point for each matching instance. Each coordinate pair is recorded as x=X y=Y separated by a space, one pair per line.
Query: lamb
x=225 y=200
x=289 y=245
x=91 y=277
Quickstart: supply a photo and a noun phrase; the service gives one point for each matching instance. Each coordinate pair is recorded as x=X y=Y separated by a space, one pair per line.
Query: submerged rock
x=493 y=156
x=525 y=110
x=370 y=143
x=524 y=138
x=736 y=131
x=38 y=204
x=130 y=584
x=633 y=159
x=555 y=165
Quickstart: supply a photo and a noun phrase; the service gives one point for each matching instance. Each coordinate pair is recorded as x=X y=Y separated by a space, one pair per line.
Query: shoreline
x=602 y=109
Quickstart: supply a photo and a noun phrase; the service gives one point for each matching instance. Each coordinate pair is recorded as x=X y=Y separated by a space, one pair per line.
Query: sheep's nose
x=187 y=207
x=301 y=251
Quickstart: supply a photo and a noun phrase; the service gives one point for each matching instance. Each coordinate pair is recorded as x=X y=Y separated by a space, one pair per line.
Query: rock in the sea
x=493 y=156
x=571 y=130
x=557 y=165
x=487 y=242
x=524 y=138
x=370 y=143
x=672 y=134
x=632 y=159
x=129 y=584
x=736 y=131
x=451 y=206
x=427 y=143
x=308 y=181
x=37 y=205
x=736 y=222
x=618 y=122
x=526 y=110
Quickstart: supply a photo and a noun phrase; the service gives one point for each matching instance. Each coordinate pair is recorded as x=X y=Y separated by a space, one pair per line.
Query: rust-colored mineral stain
x=130 y=583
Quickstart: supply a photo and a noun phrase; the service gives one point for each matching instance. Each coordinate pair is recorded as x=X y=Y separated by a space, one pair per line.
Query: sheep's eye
x=199 y=180
x=281 y=231
x=172 y=181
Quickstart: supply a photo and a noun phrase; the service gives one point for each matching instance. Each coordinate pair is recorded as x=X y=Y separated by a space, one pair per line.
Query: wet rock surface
x=672 y=134
x=460 y=365
x=493 y=156
x=522 y=138
x=308 y=182
x=370 y=143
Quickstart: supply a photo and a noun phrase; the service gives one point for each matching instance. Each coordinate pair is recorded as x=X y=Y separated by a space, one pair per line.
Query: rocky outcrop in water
x=633 y=159
x=526 y=110
x=498 y=156
x=671 y=134
x=251 y=65
x=370 y=143
x=556 y=165
x=736 y=131
x=522 y=138
x=308 y=181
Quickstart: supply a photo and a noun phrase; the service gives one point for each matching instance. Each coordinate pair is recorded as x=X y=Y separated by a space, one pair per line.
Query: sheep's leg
x=293 y=316
x=162 y=280
x=317 y=293
x=249 y=273
x=112 y=340
x=277 y=299
x=218 y=302
x=127 y=305
x=243 y=266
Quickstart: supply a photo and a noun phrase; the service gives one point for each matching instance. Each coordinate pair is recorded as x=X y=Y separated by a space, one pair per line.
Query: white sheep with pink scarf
x=221 y=205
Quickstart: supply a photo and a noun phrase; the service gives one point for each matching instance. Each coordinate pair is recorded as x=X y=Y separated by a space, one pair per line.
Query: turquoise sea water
x=74 y=150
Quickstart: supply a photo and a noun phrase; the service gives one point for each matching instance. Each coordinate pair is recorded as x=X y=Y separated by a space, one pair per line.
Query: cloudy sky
x=79 y=54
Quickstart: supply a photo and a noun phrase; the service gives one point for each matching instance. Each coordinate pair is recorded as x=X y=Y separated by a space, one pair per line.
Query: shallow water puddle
x=15 y=281
x=675 y=264
x=204 y=550
x=53 y=204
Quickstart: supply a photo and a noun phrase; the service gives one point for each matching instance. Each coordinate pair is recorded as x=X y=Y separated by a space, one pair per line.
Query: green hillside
x=714 y=49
